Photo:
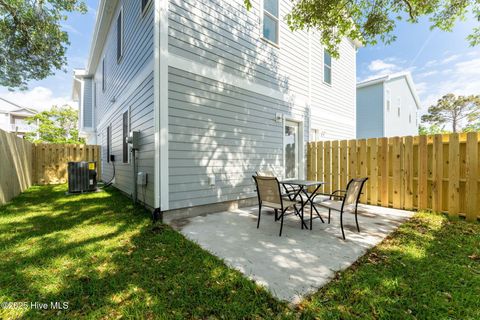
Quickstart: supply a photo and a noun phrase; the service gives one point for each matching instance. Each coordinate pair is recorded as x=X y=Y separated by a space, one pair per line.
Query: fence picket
x=472 y=175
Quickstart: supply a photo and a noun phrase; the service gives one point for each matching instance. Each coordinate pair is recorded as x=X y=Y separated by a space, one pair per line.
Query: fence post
x=437 y=173
x=453 y=175
x=472 y=176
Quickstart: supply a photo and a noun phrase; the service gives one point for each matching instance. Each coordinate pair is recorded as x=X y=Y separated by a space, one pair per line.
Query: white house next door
x=291 y=149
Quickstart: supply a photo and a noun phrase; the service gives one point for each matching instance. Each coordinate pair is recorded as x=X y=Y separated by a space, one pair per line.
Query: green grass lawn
x=102 y=256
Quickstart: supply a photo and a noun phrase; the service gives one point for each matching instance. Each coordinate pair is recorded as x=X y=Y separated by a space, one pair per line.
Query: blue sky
x=440 y=62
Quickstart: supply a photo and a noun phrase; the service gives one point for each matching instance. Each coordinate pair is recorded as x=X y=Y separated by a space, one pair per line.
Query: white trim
x=300 y=148
x=161 y=105
x=220 y=75
x=124 y=95
x=408 y=77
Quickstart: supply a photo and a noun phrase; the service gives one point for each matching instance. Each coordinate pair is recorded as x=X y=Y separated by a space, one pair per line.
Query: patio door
x=291 y=148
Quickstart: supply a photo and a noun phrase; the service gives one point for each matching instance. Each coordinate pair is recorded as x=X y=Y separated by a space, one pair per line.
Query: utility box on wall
x=82 y=177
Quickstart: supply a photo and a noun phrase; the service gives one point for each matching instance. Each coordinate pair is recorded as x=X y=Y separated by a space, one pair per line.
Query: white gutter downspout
x=161 y=105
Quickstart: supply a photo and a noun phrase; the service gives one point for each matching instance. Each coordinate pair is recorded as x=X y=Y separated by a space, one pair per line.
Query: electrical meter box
x=134 y=139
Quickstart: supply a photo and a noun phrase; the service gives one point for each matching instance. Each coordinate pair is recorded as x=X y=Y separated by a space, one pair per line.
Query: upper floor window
x=410 y=118
x=145 y=4
x=327 y=67
x=120 y=35
x=270 y=20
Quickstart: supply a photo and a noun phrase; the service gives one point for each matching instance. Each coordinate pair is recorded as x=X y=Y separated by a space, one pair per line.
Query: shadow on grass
x=429 y=269
x=102 y=256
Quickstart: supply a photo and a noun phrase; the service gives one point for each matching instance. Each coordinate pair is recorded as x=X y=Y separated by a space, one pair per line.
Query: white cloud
x=381 y=66
x=462 y=79
x=421 y=87
x=38 y=98
x=427 y=74
x=451 y=58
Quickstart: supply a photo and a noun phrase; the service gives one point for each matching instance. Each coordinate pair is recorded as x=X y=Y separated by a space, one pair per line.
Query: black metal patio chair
x=345 y=201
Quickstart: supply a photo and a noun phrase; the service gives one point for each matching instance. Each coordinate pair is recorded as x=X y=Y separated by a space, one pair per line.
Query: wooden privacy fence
x=23 y=163
x=50 y=160
x=439 y=173
x=15 y=166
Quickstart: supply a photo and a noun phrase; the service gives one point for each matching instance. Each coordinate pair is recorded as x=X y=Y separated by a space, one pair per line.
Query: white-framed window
x=145 y=4
x=270 y=21
x=120 y=36
x=104 y=76
x=125 y=133
x=388 y=99
x=327 y=67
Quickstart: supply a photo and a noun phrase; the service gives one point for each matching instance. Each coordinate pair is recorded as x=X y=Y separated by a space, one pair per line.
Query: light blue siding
x=129 y=86
x=87 y=116
x=221 y=130
x=404 y=124
x=370 y=102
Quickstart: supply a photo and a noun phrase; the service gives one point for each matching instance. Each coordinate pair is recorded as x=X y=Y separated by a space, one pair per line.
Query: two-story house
x=387 y=106
x=217 y=92
x=12 y=117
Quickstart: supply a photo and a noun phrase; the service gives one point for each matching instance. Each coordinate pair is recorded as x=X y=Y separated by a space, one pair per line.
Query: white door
x=291 y=149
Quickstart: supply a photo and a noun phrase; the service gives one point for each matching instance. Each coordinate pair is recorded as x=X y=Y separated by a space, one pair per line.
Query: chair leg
x=318 y=214
x=329 y=212
x=311 y=217
x=281 y=223
x=341 y=224
x=356 y=220
x=276 y=214
x=259 y=213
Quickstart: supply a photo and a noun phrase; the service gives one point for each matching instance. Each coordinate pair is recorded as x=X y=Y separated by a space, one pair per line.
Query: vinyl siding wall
x=370 y=111
x=129 y=86
x=87 y=112
x=402 y=98
x=222 y=130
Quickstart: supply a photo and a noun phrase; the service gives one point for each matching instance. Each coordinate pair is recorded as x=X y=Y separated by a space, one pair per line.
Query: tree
x=454 y=110
x=57 y=125
x=32 y=43
x=433 y=129
x=371 y=20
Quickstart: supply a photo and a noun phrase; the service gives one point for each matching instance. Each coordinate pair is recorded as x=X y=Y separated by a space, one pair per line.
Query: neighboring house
x=12 y=117
x=387 y=106
x=217 y=92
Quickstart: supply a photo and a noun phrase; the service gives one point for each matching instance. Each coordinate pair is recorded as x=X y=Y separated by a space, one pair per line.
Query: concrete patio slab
x=300 y=261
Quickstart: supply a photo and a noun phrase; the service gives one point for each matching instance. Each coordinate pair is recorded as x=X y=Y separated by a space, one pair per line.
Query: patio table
x=302 y=186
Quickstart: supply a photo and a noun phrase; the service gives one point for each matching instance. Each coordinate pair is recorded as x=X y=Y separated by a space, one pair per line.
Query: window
x=104 y=81
x=410 y=118
x=270 y=20
x=327 y=67
x=120 y=36
x=109 y=138
x=145 y=4
x=398 y=111
x=399 y=104
x=388 y=100
x=125 y=135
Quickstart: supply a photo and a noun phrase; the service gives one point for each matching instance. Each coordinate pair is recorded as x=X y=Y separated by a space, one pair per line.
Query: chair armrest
x=334 y=194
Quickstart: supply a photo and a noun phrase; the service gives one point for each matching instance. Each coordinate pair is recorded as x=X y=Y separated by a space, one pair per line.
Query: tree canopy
x=457 y=111
x=371 y=20
x=32 y=42
x=57 y=125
